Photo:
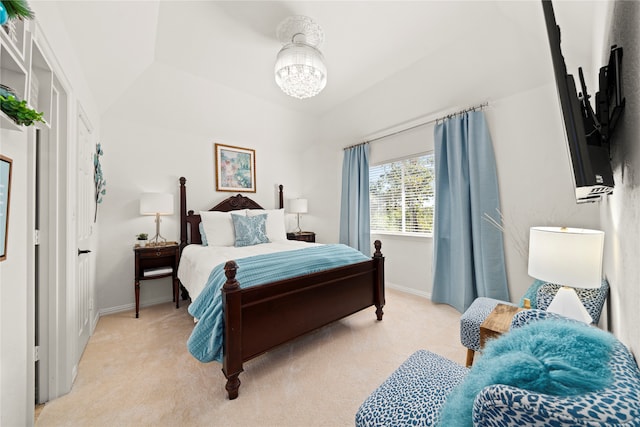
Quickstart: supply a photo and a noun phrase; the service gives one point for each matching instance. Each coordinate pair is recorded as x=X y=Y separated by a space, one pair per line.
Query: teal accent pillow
x=250 y=230
x=556 y=357
x=203 y=235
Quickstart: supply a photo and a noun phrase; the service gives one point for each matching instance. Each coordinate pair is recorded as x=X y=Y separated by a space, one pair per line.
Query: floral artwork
x=100 y=182
x=235 y=169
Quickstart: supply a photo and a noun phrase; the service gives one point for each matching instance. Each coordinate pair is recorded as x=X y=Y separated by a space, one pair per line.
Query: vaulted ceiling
x=233 y=42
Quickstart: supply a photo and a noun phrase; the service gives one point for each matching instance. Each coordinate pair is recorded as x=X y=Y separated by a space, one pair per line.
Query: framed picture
x=235 y=169
x=5 y=191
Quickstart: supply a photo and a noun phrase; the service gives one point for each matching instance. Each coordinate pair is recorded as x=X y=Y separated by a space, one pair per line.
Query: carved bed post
x=378 y=258
x=232 y=302
x=183 y=213
x=280 y=197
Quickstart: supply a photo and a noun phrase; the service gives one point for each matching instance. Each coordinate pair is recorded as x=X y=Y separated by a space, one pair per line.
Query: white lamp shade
x=298 y=206
x=156 y=203
x=566 y=256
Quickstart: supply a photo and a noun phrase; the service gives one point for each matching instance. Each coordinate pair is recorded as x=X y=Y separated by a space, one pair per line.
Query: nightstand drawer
x=157 y=252
x=304 y=236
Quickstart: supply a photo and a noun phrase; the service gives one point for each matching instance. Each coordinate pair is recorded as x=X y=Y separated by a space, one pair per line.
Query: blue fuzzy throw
x=556 y=357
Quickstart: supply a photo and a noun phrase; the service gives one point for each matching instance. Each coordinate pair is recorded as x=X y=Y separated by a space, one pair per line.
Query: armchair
x=616 y=405
x=416 y=392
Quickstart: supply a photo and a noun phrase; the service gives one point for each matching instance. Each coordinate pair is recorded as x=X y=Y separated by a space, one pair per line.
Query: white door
x=85 y=215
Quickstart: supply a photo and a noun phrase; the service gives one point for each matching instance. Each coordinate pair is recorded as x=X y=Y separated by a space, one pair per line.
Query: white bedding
x=197 y=261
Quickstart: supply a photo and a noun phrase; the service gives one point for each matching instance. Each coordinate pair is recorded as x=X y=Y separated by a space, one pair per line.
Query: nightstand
x=155 y=262
x=303 y=236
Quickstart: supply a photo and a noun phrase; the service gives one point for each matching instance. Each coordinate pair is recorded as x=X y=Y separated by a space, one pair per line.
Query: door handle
x=83 y=251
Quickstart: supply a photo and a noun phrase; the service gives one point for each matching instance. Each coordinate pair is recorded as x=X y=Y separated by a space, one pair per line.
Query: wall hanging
x=5 y=192
x=100 y=182
x=235 y=169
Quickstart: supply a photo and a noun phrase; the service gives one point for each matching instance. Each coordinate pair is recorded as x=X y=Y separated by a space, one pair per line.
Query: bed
x=257 y=319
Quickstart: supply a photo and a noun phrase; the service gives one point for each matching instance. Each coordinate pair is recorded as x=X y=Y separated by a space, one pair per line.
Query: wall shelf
x=13 y=73
x=7 y=123
x=25 y=69
x=40 y=82
x=16 y=40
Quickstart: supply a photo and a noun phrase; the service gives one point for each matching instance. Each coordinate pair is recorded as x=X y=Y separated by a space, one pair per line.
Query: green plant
x=19 y=112
x=142 y=236
x=18 y=9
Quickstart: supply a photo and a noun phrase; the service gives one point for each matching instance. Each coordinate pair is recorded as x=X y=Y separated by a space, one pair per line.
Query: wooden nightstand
x=303 y=236
x=155 y=262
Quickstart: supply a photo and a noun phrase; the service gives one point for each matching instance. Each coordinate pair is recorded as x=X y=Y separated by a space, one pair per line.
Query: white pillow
x=276 y=229
x=218 y=227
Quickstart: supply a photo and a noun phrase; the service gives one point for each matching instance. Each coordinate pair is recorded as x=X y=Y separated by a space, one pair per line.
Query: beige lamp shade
x=298 y=206
x=156 y=203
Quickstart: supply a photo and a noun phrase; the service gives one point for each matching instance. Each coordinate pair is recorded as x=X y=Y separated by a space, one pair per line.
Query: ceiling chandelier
x=300 y=69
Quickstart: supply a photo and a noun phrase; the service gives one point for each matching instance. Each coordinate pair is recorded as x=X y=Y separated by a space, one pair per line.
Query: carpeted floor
x=138 y=372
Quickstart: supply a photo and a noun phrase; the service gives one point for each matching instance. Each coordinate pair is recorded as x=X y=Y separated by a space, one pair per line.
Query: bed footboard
x=260 y=318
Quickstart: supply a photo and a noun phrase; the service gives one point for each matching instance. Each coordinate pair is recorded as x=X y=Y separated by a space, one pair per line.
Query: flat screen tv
x=587 y=132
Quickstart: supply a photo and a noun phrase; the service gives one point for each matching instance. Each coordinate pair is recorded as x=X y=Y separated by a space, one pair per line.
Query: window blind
x=402 y=195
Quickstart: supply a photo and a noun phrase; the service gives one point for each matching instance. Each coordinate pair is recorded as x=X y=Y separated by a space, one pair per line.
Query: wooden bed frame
x=260 y=318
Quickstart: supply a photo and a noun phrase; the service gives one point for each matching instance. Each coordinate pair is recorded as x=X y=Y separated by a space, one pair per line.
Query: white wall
x=534 y=174
x=165 y=127
x=620 y=213
x=14 y=322
x=533 y=166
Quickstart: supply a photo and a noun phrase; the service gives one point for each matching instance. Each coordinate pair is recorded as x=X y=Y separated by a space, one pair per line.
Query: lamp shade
x=298 y=206
x=566 y=256
x=156 y=203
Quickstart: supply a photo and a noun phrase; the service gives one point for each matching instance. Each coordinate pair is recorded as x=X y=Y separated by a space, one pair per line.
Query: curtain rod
x=448 y=116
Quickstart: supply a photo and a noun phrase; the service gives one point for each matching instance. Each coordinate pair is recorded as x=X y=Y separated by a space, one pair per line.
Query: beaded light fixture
x=300 y=70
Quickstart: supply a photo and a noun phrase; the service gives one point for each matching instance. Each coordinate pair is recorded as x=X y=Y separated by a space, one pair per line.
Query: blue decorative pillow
x=555 y=357
x=203 y=235
x=250 y=230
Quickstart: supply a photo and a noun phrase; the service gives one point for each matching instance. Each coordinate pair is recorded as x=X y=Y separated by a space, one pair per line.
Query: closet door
x=85 y=210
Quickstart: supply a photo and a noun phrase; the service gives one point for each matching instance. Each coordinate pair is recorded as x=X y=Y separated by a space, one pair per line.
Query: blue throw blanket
x=206 y=340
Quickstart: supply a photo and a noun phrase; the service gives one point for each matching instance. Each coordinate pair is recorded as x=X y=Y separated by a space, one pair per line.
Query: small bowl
x=6 y=91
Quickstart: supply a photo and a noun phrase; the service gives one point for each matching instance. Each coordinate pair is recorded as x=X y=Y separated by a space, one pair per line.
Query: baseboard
x=407 y=290
x=132 y=306
x=94 y=322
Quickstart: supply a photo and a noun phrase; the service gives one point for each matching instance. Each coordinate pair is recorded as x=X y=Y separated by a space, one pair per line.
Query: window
x=402 y=195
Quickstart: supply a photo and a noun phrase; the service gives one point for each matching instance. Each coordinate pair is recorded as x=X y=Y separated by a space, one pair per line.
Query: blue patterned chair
x=541 y=295
x=415 y=392
x=592 y=299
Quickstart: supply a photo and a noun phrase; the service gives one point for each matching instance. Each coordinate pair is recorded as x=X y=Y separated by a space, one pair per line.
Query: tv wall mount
x=599 y=124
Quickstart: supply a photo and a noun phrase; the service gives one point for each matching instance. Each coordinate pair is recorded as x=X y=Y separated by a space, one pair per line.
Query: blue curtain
x=468 y=249
x=354 y=211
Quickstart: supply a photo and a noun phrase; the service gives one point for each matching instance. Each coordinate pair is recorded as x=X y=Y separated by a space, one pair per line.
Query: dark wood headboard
x=190 y=221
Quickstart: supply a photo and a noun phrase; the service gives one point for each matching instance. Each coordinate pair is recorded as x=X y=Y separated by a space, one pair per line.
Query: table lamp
x=570 y=257
x=156 y=204
x=298 y=206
